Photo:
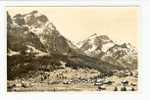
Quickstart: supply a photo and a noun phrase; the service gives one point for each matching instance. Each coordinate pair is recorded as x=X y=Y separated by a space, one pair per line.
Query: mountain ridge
x=32 y=39
x=102 y=47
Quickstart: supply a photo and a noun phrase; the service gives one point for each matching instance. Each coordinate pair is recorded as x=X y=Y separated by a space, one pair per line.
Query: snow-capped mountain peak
x=38 y=25
x=93 y=36
x=95 y=44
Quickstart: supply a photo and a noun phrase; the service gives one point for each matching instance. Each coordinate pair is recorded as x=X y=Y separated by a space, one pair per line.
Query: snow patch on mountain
x=106 y=46
x=95 y=44
x=93 y=36
x=11 y=52
x=71 y=45
x=123 y=55
x=32 y=50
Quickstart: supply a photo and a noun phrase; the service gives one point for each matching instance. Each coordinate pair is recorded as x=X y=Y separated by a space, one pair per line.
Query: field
x=69 y=79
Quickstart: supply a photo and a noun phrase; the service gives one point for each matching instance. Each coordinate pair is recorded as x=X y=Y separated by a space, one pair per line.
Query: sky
x=77 y=23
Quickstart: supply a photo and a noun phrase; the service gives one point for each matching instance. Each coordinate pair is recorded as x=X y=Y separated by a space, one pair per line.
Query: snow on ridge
x=79 y=44
x=106 y=46
x=71 y=45
x=93 y=36
x=33 y=49
x=38 y=31
x=11 y=53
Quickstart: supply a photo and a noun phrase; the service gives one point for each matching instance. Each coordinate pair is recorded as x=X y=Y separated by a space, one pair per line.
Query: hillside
x=38 y=54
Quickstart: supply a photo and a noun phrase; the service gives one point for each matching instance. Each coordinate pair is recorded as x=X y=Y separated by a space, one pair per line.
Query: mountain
x=95 y=45
x=31 y=39
x=34 y=44
x=124 y=55
x=103 y=48
x=34 y=30
x=20 y=38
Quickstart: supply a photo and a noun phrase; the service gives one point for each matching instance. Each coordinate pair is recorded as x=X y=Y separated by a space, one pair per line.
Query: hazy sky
x=78 y=23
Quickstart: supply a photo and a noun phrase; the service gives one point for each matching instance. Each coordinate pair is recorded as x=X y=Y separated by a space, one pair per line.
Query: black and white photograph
x=72 y=48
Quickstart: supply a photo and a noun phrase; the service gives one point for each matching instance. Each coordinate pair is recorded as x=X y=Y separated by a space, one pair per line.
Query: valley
x=40 y=58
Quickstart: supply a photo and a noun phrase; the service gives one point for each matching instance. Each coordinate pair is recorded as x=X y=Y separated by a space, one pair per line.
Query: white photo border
x=142 y=68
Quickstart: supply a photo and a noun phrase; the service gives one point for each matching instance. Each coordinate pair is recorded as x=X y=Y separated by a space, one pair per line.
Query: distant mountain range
x=103 y=48
x=33 y=40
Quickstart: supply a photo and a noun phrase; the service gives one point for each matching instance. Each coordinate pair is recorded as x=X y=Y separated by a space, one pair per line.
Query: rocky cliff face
x=35 y=30
x=20 y=38
x=103 y=48
x=124 y=55
x=95 y=45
